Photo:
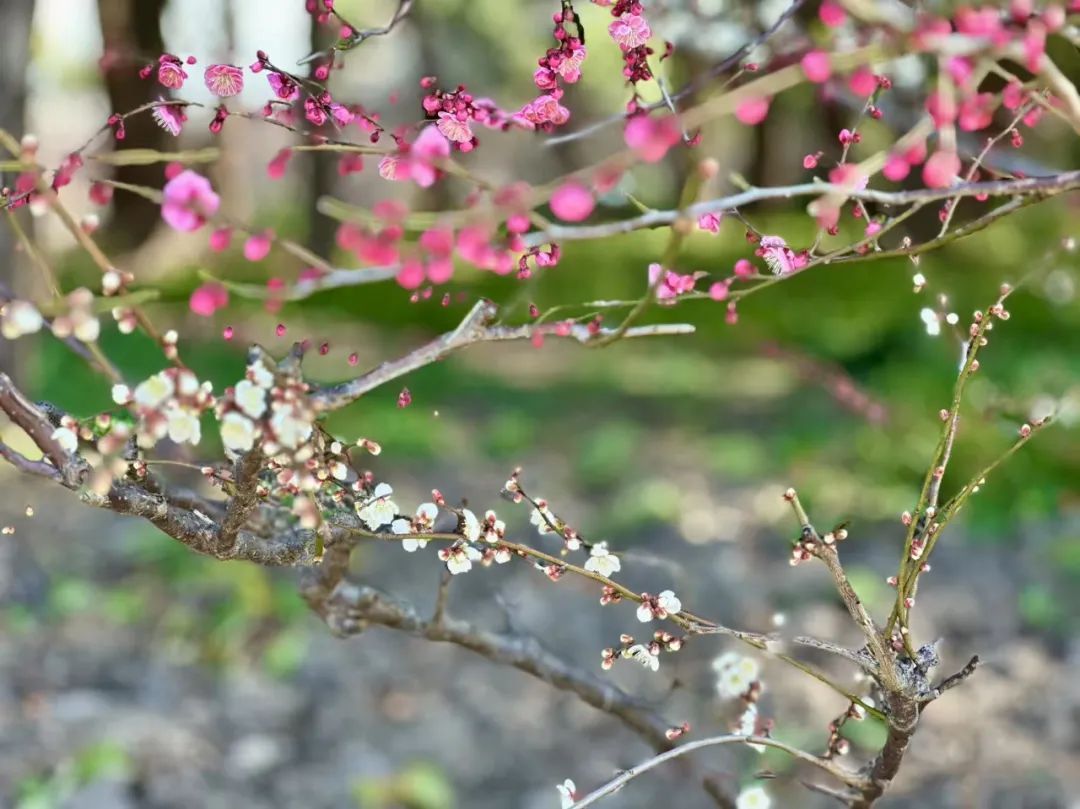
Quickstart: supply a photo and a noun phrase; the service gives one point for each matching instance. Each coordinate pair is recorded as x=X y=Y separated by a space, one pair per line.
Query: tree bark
x=14 y=56
x=131 y=30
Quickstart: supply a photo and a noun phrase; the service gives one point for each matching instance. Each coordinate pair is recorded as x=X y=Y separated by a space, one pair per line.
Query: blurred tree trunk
x=16 y=16
x=322 y=172
x=131 y=30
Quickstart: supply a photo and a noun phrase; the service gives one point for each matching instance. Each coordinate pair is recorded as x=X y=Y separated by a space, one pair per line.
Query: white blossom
x=153 y=392
x=121 y=394
x=643 y=656
x=290 y=429
x=602 y=561
x=931 y=320
x=19 y=318
x=748 y=726
x=187 y=384
x=669 y=603
x=541 y=516
x=237 y=432
x=567 y=793
x=645 y=612
x=753 y=798
x=66 y=438
x=460 y=557
x=87 y=329
x=409 y=544
x=250 y=398
x=380 y=510
x=494 y=529
x=471 y=525
x=735 y=674
x=260 y=375
x=183 y=425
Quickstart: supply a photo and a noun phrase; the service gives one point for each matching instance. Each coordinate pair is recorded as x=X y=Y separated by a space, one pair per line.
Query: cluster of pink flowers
x=188 y=201
x=170 y=70
x=631 y=31
x=670 y=284
x=780 y=258
x=455 y=111
x=417 y=161
x=560 y=64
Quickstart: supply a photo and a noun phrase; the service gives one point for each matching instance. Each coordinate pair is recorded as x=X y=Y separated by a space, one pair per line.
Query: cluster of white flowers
x=543 y=518
x=753 y=798
x=658 y=606
x=271 y=408
x=168 y=403
x=423 y=522
x=603 y=562
x=735 y=674
x=18 y=318
x=378 y=509
x=79 y=319
x=459 y=557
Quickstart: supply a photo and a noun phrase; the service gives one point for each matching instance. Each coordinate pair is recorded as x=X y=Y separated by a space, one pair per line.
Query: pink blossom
x=224 y=80
x=671 y=284
x=780 y=258
x=170 y=74
x=941 y=169
x=440 y=270
x=188 y=201
x=896 y=168
x=426 y=151
x=848 y=174
x=411 y=274
x=710 y=222
x=545 y=109
x=342 y=115
x=650 y=138
x=832 y=14
x=169 y=117
x=816 y=66
x=1013 y=95
x=942 y=108
x=284 y=87
x=350 y=164
x=208 y=298
x=743 y=268
x=257 y=246
x=960 y=69
x=630 y=31
x=220 y=238
x=1034 y=45
x=276 y=167
x=438 y=241
x=718 y=291
x=976 y=112
x=862 y=82
x=752 y=111
x=570 y=67
x=572 y=202
x=453 y=128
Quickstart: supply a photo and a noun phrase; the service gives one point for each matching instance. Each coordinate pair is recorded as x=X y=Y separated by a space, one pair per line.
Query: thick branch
x=350 y=608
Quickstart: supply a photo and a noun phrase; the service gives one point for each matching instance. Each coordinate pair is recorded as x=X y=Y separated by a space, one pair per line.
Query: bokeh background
x=135 y=674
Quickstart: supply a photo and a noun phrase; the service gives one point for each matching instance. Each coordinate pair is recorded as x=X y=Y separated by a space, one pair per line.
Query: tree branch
x=475 y=328
x=845 y=776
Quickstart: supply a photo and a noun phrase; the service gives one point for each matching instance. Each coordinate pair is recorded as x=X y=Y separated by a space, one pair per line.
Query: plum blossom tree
x=289 y=492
